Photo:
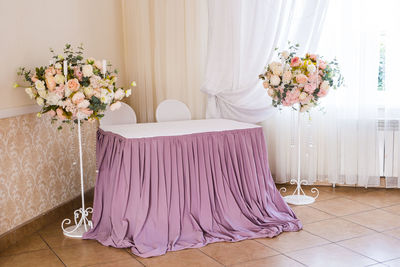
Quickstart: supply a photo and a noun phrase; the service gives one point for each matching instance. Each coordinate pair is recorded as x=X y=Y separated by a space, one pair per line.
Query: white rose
x=285 y=54
x=324 y=86
x=302 y=96
x=276 y=68
x=88 y=91
x=84 y=104
x=311 y=68
x=42 y=93
x=40 y=101
x=67 y=91
x=58 y=66
x=40 y=85
x=29 y=92
x=287 y=76
x=115 y=106
x=87 y=70
x=128 y=92
x=59 y=79
x=275 y=80
x=271 y=92
x=119 y=94
x=53 y=99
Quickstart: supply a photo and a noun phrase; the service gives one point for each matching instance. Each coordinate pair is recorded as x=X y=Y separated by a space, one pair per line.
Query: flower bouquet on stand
x=299 y=83
x=73 y=89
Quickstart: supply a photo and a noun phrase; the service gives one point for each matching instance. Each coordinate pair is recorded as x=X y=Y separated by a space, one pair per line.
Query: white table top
x=173 y=128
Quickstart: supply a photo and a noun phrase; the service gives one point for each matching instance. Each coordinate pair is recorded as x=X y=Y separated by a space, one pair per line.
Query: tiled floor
x=344 y=227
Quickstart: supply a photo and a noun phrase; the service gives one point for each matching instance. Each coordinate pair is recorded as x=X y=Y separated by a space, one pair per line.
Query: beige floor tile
x=53 y=235
x=379 y=247
x=31 y=243
x=378 y=198
x=275 y=261
x=237 y=252
x=340 y=206
x=337 y=229
x=90 y=254
x=124 y=263
x=393 y=209
x=181 y=258
x=307 y=214
x=393 y=263
x=377 y=220
x=330 y=255
x=42 y=258
x=290 y=241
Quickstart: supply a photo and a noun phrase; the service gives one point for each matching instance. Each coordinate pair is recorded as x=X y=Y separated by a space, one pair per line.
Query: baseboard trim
x=63 y=210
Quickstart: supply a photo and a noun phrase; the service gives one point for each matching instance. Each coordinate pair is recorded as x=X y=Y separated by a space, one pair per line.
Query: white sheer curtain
x=344 y=143
x=165 y=52
x=241 y=37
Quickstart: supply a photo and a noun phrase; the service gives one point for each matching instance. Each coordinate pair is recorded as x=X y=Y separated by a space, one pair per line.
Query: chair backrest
x=124 y=115
x=172 y=110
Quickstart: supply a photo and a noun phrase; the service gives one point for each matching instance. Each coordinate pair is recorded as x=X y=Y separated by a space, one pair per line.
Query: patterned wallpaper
x=39 y=167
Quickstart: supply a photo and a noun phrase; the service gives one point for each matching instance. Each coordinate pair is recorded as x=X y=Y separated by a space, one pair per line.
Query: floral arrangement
x=300 y=80
x=72 y=88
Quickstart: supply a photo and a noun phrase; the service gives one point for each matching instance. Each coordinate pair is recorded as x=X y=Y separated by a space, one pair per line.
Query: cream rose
x=88 y=91
x=287 y=76
x=311 y=68
x=285 y=54
x=87 y=70
x=84 y=104
x=78 y=97
x=271 y=92
x=40 y=85
x=275 y=80
x=59 y=78
x=40 y=101
x=119 y=94
x=53 y=99
x=42 y=93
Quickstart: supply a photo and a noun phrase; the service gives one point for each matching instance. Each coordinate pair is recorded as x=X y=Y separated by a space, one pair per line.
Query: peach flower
x=73 y=85
x=301 y=78
x=322 y=65
x=310 y=87
x=51 y=83
x=34 y=78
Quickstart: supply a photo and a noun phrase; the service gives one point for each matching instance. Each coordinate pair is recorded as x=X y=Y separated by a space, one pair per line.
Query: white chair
x=124 y=115
x=172 y=110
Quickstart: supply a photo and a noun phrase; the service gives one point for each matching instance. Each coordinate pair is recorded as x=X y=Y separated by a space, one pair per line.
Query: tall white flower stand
x=299 y=197
x=82 y=223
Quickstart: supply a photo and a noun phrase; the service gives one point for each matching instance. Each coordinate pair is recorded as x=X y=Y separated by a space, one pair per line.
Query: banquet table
x=174 y=185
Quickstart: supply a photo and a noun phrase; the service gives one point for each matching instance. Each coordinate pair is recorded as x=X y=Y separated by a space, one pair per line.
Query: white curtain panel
x=165 y=51
x=242 y=35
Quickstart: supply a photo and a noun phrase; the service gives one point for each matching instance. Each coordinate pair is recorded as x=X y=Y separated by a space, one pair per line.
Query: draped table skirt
x=168 y=193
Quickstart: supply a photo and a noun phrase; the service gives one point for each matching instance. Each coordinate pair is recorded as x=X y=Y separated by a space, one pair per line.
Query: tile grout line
x=210 y=257
x=131 y=254
x=51 y=249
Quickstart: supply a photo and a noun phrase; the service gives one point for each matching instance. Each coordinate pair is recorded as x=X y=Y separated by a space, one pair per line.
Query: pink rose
x=78 y=98
x=295 y=62
x=73 y=85
x=322 y=65
x=310 y=87
x=301 y=78
x=78 y=73
x=60 y=90
x=322 y=92
x=60 y=114
x=51 y=83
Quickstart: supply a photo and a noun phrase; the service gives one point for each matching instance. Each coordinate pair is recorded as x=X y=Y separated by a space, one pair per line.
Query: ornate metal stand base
x=299 y=197
x=81 y=226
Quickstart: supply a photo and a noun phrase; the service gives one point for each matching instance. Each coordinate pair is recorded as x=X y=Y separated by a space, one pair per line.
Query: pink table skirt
x=161 y=194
